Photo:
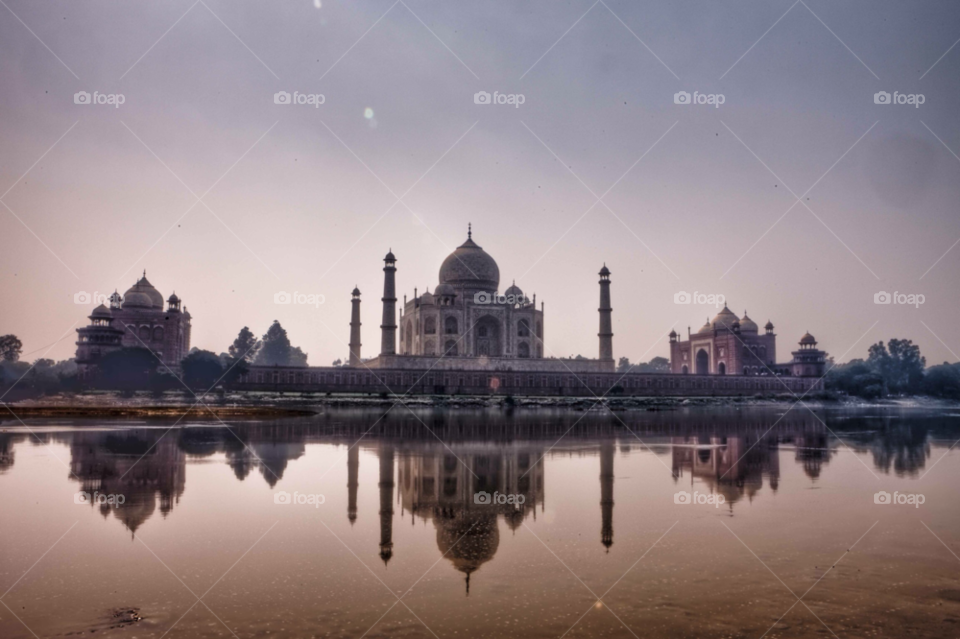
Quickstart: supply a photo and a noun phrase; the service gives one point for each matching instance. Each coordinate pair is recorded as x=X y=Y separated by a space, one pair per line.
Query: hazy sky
x=303 y=198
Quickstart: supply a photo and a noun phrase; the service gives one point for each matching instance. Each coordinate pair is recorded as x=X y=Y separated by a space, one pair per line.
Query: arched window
x=722 y=368
x=523 y=329
x=523 y=350
x=158 y=334
x=684 y=370
x=450 y=326
x=450 y=348
x=144 y=333
x=539 y=330
x=430 y=325
x=429 y=347
x=408 y=338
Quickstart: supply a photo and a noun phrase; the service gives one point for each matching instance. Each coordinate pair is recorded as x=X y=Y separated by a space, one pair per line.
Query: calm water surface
x=783 y=536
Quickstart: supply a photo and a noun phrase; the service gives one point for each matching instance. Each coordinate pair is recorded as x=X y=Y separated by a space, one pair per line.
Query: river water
x=535 y=523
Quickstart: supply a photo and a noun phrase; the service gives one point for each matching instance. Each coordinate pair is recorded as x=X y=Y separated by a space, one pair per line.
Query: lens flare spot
x=368 y=113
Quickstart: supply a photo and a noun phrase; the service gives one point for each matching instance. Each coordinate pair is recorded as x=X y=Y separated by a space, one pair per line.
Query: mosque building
x=728 y=345
x=136 y=320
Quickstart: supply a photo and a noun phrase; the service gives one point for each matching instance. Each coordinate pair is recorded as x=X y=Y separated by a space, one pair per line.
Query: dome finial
x=469 y=231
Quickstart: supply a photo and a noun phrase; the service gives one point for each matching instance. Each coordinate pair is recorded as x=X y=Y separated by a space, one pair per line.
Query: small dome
x=604 y=270
x=173 y=299
x=706 y=328
x=808 y=339
x=747 y=325
x=427 y=298
x=769 y=325
x=390 y=257
x=673 y=333
x=725 y=319
x=355 y=292
x=445 y=290
x=515 y=291
x=101 y=311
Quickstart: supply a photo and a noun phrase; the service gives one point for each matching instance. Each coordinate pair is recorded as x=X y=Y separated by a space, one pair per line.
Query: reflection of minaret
x=606 y=492
x=353 y=465
x=386 y=502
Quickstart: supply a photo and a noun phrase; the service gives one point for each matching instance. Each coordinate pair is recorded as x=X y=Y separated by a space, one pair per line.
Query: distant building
x=728 y=345
x=137 y=319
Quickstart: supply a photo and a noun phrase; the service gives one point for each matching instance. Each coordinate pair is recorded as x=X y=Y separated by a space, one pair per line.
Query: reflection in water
x=730 y=453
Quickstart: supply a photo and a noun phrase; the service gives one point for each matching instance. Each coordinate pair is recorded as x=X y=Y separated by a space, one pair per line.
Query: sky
x=798 y=198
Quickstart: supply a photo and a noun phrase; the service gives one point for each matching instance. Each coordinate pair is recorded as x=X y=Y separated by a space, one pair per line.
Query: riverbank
x=257 y=404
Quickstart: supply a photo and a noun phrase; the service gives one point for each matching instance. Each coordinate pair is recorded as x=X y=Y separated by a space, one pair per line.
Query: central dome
x=470 y=267
x=143 y=295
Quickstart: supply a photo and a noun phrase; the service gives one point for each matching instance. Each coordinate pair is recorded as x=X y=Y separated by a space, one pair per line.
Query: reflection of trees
x=905 y=447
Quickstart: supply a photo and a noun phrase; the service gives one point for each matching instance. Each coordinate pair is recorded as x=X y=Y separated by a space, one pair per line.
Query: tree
x=201 y=370
x=337 y=362
x=297 y=357
x=245 y=346
x=10 y=348
x=275 y=350
x=127 y=369
x=943 y=381
x=623 y=365
x=899 y=363
x=656 y=365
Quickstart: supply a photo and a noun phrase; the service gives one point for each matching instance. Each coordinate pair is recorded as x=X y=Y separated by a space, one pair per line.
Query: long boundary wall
x=516 y=383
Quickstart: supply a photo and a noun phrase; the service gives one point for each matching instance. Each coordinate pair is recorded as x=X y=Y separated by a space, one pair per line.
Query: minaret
x=355 y=328
x=606 y=328
x=386 y=502
x=606 y=492
x=353 y=467
x=388 y=329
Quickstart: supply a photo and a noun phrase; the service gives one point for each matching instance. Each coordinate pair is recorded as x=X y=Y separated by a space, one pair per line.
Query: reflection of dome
x=470 y=266
x=468 y=539
x=808 y=339
x=725 y=319
x=747 y=325
x=144 y=295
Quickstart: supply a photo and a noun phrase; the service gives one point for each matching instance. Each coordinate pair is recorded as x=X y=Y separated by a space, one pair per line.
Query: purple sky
x=297 y=198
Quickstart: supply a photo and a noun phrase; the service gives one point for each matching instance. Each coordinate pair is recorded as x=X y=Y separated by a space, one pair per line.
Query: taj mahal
x=467 y=338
